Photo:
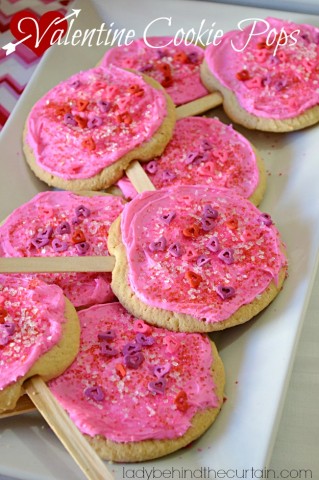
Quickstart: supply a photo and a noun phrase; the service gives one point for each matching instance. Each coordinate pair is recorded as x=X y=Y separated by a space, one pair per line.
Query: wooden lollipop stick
x=199 y=106
x=139 y=178
x=56 y=264
x=75 y=443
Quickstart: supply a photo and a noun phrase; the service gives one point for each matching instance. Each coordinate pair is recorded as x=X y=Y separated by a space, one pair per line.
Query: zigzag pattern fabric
x=17 y=68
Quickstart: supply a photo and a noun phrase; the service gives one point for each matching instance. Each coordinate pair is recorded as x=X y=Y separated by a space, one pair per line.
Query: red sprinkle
x=120 y=370
x=181 y=401
x=193 y=278
x=136 y=90
x=167 y=82
x=62 y=110
x=192 y=231
x=82 y=122
x=89 y=144
x=124 y=118
x=78 y=237
x=82 y=104
x=180 y=57
x=243 y=75
x=165 y=69
x=232 y=223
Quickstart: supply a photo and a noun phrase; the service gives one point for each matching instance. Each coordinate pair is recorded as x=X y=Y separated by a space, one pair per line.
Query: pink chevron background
x=16 y=69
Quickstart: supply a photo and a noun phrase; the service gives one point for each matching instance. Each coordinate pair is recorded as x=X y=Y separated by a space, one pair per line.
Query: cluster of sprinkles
x=90 y=121
x=176 y=68
x=204 y=150
x=208 y=249
x=275 y=77
x=129 y=371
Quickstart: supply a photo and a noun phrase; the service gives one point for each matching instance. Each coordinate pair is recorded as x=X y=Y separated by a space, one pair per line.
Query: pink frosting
x=91 y=120
x=31 y=318
x=51 y=210
x=180 y=75
x=188 y=246
x=269 y=82
x=129 y=408
x=203 y=151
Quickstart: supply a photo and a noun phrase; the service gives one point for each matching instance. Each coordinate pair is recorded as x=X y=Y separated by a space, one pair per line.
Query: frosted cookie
x=64 y=224
x=135 y=391
x=194 y=258
x=269 y=80
x=175 y=67
x=39 y=334
x=206 y=151
x=84 y=133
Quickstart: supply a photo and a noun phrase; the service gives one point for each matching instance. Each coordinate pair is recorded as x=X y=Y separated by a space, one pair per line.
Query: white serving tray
x=258 y=356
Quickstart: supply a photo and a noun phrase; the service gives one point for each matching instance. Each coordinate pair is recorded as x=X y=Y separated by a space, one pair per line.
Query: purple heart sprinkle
x=59 y=246
x=176 y=250
x=82 y=211
x=144 y=340
x=160 y=53
x=106 y=349
x=151 y=167
x=70 y=120
x=47 y=233
x=63 y=228
x=158 y=386
x=39 y=242
x=191 y=157
x=280 y=85
x=202 y=260
x=207 y=224
x=104 y=106
x=225 y=292
x=94 y=393
x=193 y=57
x=95 y=122
x=8 y=328
x=213 y=244
x=76 y=221
x=82 y=248
x=168 y=217
x=134 y=360
x=227 y=256
x=205 y=145
x=131 y=348
x=167 y=175
x=107 y=336
x=160 y=370
x=4 y=340
x=75 y=84
x=210 y=212
x=265 y=219
x=159 y=245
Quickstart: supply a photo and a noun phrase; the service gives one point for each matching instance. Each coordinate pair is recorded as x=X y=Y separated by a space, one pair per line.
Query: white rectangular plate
x=257 y=356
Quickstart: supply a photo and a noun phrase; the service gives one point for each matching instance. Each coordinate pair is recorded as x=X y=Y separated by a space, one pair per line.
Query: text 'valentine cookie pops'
x=268 y=75
x=194 y=258
x=86 y=131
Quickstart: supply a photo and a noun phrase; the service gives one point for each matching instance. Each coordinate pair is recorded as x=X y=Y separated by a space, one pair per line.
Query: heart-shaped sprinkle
x=8 y=328
x=40 y=242
x=161 y=370
x=131 y=348
x=207 y=224
x=82 y=247
x=192 y=231
x=225 y=292
x=70 y=120
x=210 y=212
x=265 y=219
x=167 y=175
x=193 y=57
x=140 y=326
x=89 y=144
x=168 y=217
x=227 y=256
x=151 y=167
x=104 y=106
x=78 y=236
x=106 y=349
x=134 y=360
x=191 y=157
x=207 y=169
x=181 y=401
x=213 y=244
x=202 y=260
x=81 y=104
x=176 y=250
x=46 y=233
x=59 y=245
x=106 y=336
x=171 y=344
x=95 y=122
x=158 y=386
x=159 y=245
x=82 y=211
x=193 y=279
x=75 y=84
x=81 y=121
x=94 y=393
x=63 y=228
x=206 y=145
x=144 y=340
x=120 y=370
